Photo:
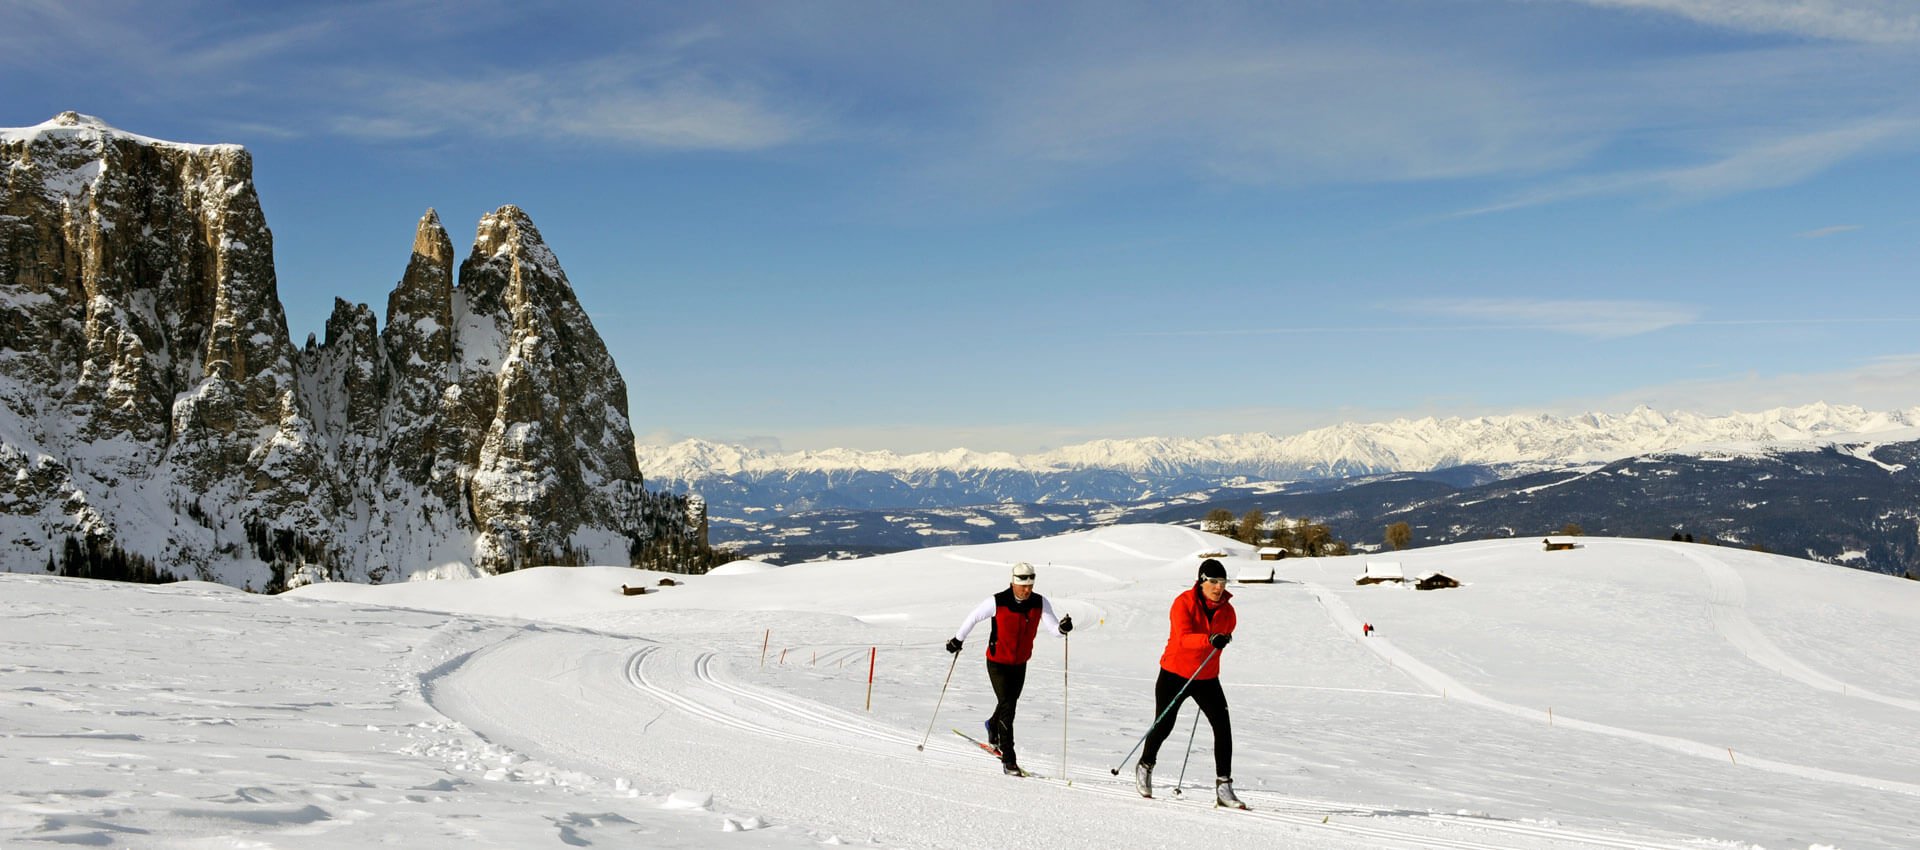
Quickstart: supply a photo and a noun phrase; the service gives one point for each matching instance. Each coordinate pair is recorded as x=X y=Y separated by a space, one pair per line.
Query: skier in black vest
x=1016 y=615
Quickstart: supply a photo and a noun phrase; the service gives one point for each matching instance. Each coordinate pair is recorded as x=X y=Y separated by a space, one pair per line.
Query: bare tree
x=1252 y=523
x=1399 y=535
x=1218 y=521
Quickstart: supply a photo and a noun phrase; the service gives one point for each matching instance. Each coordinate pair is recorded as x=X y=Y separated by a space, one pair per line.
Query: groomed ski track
x=654 y=710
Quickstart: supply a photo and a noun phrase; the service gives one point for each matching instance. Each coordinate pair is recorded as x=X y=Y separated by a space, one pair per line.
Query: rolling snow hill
x=1624 y=694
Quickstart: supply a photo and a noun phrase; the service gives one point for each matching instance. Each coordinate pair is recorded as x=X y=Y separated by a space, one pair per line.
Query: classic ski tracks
x=1319 y=814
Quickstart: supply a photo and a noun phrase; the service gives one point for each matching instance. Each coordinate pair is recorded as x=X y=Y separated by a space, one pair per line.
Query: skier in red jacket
x=1201 y=625
x=1016 y=615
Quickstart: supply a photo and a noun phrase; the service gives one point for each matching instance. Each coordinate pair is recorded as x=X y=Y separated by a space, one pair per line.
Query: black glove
x=1066 y=624
x=1221 y=640
x=953 y=645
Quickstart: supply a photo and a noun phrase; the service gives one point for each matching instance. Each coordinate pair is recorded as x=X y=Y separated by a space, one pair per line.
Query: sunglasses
x=1214 y=580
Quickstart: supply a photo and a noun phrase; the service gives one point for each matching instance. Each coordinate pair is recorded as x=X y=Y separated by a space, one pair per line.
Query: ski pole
x=1189 y=756
x=936 y=703
x=1064 y=656
x=1163 y=714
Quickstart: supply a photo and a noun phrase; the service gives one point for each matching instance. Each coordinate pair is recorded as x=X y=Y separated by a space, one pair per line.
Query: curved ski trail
x=577 y=698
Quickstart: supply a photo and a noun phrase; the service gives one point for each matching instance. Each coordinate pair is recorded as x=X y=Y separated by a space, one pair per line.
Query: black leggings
x=1213 y=703
x=1008 y=681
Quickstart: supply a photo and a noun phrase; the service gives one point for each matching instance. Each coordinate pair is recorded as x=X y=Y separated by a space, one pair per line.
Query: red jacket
x=1014 y=624
x=1192 y=620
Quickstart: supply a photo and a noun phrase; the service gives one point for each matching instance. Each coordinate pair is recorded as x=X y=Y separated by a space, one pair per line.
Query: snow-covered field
x=1622 y=694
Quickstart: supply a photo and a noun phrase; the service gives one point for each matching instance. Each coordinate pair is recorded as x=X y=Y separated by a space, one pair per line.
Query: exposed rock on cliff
x=155 y=406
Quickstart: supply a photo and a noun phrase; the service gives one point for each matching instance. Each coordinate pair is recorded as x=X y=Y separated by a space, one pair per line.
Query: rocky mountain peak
x=71 y=118
x=155 y=408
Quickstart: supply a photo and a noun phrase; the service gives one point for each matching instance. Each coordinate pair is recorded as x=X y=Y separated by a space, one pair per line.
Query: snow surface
x=1622 y=694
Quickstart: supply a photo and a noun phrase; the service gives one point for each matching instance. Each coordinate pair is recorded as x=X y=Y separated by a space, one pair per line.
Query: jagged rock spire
x=484 y=424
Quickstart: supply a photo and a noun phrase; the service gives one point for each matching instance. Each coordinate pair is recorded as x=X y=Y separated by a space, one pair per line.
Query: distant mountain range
x=738 y=481
x=1826 y=482
x=1854 y=504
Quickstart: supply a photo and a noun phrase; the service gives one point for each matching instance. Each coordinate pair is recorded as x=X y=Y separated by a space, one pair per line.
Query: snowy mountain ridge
x=1399 y=445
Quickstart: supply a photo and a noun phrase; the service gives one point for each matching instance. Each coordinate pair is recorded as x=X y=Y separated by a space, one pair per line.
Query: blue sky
x=1012 y=226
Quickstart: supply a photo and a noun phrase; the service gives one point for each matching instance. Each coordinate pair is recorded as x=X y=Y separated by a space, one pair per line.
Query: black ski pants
x=1008 y=681
x=1212 y=700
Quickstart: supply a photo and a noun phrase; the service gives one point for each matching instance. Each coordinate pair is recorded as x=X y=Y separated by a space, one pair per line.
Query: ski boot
x=1223 y=794
x=1143 y=779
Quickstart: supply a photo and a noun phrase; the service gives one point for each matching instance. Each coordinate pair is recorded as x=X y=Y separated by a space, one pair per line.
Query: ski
x=1216 y=803
x=989 y=749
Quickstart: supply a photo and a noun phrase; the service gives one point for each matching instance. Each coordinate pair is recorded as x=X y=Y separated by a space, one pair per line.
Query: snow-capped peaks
x=504 y=229
x=508 y=234
x=1345 y=449
x=71 y=118
x=430 y=240
x=72 y=126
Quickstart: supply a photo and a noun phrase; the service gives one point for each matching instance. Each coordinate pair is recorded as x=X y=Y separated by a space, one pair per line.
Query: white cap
x=1023 y=573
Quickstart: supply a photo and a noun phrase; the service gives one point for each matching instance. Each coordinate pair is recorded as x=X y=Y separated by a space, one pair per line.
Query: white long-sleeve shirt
x=984 y=612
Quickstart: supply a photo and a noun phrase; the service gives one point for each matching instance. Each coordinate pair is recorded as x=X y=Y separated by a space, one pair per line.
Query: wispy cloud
x=1878 y=21
x=1789 y=160
x=1591 y=318
x=1280 y=113
x=1824 y=232
x=639 y=101
x=1884 y=383
x=1767 y=164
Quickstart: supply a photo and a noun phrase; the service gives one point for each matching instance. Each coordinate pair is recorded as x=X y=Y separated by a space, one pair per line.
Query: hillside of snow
x=1624 y=694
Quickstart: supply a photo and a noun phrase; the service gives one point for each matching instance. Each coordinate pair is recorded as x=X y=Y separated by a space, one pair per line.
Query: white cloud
x=1766 y=164
x=1824 y=232
x=638 y=101
x=1281 y=112
x=1879 y=21
x=1592 y=318
x=1885 y=383
x=1789 y=160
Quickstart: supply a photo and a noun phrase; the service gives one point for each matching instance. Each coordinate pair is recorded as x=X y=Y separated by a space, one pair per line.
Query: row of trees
x=1314 y=539
x=97 y=557
x=1298 y=537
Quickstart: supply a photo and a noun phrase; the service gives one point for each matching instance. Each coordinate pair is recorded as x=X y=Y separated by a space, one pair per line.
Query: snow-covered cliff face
x=736 y=479
x=155 y=406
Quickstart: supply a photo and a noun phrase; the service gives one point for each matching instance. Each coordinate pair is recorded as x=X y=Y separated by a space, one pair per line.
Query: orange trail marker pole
x=873 y=654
